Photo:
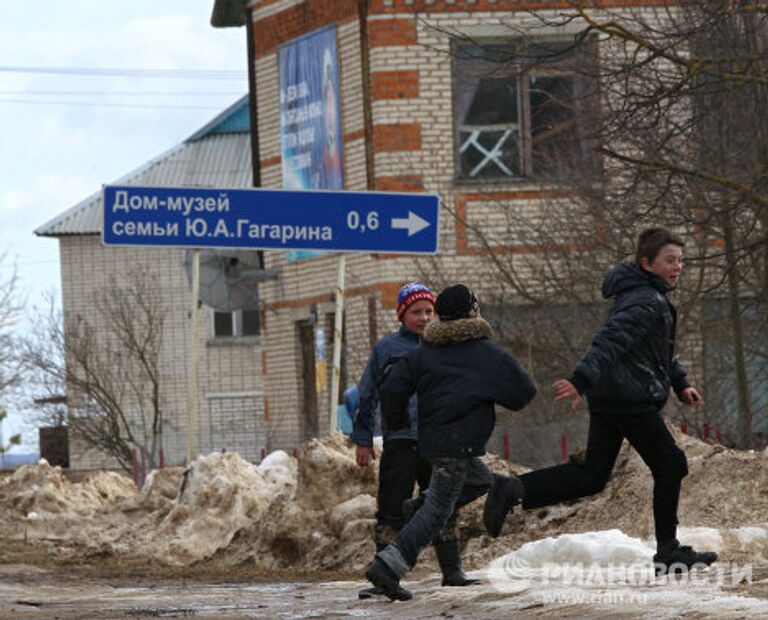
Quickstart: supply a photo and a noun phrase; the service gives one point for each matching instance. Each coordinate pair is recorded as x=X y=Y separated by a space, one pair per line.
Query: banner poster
x=310 y=115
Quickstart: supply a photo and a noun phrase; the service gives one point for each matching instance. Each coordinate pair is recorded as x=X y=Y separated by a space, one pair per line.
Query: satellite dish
x=229 y=279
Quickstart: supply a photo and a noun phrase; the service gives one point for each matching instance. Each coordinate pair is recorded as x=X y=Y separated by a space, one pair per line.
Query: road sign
x=271 y=219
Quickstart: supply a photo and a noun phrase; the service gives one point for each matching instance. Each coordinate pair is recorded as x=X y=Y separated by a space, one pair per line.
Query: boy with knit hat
x=400 y=467
x=458 y=375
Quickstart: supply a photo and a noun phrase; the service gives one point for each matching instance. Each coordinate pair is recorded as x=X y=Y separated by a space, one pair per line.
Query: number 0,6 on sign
x=370 y=221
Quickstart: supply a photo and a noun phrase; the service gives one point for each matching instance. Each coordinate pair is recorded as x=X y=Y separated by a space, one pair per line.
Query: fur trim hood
x=442 y=333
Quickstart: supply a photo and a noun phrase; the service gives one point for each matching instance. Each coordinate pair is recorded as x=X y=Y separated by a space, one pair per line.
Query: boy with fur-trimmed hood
x=401 y=467
x=458 y=375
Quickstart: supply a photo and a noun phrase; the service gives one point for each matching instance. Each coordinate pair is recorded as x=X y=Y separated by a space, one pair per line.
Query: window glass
x=519 y=109
x=236 y=324
x=250 y=323
x=223 y=324
x=554 y=140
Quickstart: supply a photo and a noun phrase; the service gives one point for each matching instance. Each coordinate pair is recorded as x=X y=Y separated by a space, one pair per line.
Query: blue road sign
x=271 y=219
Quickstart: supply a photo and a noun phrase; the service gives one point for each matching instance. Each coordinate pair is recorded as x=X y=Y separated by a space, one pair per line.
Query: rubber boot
x=373 y=591
x=381 y=576
x=506 y=492
x=448 y=556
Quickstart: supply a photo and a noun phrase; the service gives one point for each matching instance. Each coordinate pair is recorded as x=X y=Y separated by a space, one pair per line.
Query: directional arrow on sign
x=413 y=223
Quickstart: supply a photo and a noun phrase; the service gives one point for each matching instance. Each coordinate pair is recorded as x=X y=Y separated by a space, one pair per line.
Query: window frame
x=237 y=326
x=571 y=65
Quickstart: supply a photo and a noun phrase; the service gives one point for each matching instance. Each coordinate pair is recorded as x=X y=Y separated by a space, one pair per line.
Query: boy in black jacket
x=458 y=375
x=626 y=375
x=401 y=466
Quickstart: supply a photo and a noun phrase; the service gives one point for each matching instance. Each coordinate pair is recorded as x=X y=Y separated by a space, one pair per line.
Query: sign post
x=336 y=221
x=192 y=401
x=337 y=327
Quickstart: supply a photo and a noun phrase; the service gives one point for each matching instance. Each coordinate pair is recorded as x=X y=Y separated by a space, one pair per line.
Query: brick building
x=230 y=412
x=418 y=113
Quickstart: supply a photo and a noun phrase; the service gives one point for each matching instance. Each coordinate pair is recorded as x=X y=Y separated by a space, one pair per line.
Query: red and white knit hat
x=410 y=294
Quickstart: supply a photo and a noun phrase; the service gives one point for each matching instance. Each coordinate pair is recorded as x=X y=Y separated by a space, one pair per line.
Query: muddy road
x=61 y=593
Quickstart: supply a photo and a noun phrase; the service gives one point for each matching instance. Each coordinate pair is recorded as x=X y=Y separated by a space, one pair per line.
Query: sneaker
x=504 y=494
x=381 y=576
x=681 y=559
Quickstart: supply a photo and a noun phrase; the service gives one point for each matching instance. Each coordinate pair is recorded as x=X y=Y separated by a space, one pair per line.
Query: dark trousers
x=646 y=433
x=454 y=483
x=400 y=469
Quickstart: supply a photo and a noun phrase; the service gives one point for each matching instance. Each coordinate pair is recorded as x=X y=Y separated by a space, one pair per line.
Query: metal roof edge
x=44 y=229
x=217 y=120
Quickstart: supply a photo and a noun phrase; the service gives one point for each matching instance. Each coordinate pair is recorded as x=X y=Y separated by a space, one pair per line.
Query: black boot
x=504 y=494
x=371 y=592
x=673 y=558
x=450 y=563
x=410 y=506
x=381 y=576
x=367 y=593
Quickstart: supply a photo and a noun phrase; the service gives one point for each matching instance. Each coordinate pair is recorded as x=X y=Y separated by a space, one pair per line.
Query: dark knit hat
x=410 y=294
x=455 y=302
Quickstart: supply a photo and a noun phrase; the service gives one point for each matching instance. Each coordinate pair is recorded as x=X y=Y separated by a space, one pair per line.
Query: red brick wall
x=275 y=29
x=395 y=84
x=383 y=32
x=397 y=137
x=405 y=183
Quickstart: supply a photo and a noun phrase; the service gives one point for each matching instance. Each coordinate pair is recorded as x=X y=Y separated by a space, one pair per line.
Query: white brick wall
x=233 y=367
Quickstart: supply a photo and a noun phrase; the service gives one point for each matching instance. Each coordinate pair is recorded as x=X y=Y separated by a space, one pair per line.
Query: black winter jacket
x=630 y=365
x=458 y=375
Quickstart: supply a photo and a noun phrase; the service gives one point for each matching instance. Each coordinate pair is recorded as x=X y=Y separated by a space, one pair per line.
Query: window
x=235 y=324
x=520 y=109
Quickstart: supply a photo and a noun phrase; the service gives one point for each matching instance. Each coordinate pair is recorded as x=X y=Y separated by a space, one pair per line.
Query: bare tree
x=10 y=369
x=683 y=134
x=110 y=367
x=10 y=307
x=638 y=117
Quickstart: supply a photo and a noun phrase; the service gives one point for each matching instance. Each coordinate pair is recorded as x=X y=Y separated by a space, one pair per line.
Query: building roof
x=228 y=13
x=218 y=155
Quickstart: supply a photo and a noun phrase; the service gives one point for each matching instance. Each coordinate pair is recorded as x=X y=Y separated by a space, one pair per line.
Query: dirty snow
x=316 y=512
x=609 y=568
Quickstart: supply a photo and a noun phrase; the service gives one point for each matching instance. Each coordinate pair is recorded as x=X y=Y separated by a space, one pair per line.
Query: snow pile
x=588 y=559
x=281 y=470
x=43 y=490
x=220 y=494
x=603 y=548
x=316 y=512
x=160 y=489
x=328 y=473
x=607 y=568
x=725 y=490
x=330 y=523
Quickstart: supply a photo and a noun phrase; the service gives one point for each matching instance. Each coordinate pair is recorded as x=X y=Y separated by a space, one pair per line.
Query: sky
x=90 y=91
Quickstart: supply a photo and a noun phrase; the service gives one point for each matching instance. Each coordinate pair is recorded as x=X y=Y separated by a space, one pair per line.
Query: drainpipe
x=362 y=12
x=253 y=106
